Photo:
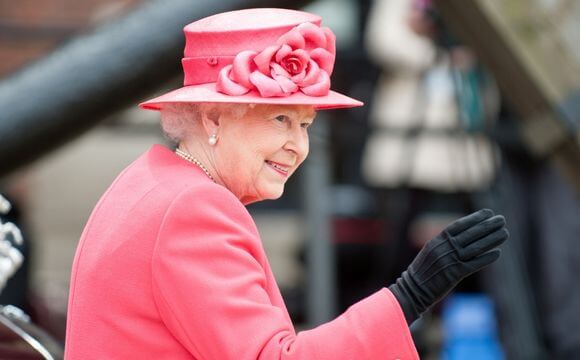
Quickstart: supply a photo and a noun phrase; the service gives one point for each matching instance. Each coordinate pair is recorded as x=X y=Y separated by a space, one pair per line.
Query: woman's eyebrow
x=311 y=115
x=294 y=113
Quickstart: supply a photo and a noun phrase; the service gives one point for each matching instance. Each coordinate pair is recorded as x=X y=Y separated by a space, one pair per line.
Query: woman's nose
x=298 y=143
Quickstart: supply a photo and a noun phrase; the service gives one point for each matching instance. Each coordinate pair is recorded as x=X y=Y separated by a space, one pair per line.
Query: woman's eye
x=305 y=125
x=281 y=118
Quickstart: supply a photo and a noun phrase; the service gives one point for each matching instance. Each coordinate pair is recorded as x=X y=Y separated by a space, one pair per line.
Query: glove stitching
x=454 y=242
x=424 y=255
x=423 y=281
x=432 y=264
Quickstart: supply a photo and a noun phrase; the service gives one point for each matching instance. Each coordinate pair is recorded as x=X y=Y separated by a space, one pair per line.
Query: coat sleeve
x=210 y=289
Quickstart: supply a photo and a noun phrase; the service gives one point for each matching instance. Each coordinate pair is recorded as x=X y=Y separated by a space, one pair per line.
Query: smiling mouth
x=279 y=168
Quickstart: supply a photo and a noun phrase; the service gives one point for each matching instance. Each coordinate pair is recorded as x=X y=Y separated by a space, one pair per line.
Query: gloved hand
x=462 y=248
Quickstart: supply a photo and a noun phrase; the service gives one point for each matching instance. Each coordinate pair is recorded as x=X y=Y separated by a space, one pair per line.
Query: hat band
x=202 y=70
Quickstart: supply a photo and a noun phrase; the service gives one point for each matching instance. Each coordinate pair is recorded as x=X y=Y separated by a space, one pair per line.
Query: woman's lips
x=279 y=168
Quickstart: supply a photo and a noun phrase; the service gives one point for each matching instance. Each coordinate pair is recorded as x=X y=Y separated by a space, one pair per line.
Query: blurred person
x=427 y=150
x=21 y=339
x=10 y=237
x=15 y=250
x=170 y=263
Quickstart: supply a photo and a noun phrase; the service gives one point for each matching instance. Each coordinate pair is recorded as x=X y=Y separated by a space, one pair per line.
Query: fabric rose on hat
x=302 y=60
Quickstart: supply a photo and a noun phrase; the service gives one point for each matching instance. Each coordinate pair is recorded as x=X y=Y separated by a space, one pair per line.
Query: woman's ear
x=211 y=119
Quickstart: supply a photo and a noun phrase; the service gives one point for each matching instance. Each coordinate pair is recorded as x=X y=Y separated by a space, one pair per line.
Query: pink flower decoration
x=301 y=60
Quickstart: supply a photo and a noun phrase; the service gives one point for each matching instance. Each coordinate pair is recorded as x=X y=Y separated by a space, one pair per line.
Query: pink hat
x=260 y=56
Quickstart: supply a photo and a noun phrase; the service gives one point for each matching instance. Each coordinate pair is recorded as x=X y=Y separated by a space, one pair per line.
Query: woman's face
x=256 y=154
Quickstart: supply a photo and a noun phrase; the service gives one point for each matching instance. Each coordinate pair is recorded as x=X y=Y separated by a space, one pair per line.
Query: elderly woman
x=170 y=264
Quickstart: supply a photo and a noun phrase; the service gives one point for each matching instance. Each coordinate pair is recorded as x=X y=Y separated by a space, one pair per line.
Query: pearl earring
x=212 y=139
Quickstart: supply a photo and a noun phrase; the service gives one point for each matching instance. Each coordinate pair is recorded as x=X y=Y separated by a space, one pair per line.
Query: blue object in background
x=470 y=329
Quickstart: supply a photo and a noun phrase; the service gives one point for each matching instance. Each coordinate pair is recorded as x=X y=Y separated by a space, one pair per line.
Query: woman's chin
x=276 y=194
x=270 y=193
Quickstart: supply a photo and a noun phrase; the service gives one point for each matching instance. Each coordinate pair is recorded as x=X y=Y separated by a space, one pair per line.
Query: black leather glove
x=464 y=247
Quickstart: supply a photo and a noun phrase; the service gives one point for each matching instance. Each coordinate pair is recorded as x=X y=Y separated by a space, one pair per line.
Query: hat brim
x=206 y=93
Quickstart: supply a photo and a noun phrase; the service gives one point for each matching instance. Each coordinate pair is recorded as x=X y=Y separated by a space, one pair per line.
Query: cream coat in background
x=416 y=90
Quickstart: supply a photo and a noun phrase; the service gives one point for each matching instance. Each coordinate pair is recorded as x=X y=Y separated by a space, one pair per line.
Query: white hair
x=181 y=119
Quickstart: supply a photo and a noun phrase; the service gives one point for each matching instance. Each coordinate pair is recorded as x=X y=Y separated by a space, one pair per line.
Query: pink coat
x=170 y=266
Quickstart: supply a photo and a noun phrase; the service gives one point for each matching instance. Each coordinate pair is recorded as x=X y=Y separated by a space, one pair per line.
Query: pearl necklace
x=186 y=156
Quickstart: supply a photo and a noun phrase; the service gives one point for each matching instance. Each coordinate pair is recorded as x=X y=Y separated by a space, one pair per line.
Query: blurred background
x=468 y=104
